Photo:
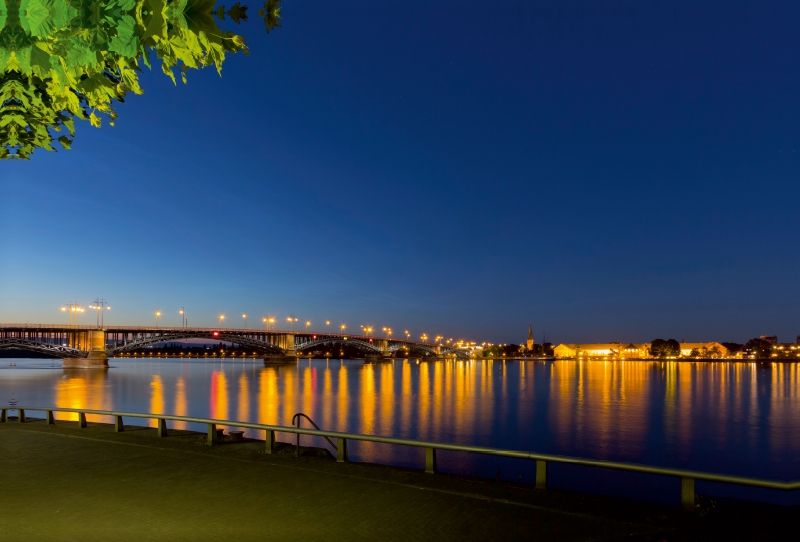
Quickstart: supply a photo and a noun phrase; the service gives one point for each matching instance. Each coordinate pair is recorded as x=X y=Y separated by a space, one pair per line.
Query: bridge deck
x=66 y=483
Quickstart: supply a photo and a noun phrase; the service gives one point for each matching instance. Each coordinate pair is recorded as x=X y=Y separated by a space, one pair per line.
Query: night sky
x=610 y=171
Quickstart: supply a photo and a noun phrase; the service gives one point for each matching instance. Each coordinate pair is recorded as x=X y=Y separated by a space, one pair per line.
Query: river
x=732 y=418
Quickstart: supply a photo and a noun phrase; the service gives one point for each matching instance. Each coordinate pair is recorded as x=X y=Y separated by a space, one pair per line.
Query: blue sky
x=608 y=171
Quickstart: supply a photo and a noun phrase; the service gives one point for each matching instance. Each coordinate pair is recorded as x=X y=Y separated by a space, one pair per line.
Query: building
x=602 y=350
x=530 y=342
x=631 y=350
x=703 y=349
x=771 y=339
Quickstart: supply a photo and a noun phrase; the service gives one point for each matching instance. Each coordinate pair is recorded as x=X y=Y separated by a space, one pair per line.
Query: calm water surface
x=734 y=418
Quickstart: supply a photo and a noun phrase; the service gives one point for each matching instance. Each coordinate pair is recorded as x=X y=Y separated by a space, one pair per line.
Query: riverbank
x=65 y=483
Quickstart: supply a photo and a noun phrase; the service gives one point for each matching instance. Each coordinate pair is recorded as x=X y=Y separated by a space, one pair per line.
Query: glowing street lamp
x=327 y=326
x=72 y=310
x=342 y=327
x=367 y=330
x=221 y=318
x=100 y=307
x=245 y=320
x=308 y=323
x=424 y=338
x=157 y=313
x=388 y=332
x=291 y=319
x=184 y=320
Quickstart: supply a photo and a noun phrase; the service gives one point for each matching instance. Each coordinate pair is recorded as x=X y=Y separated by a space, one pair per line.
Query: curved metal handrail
x=297 y=417
x=687 y=477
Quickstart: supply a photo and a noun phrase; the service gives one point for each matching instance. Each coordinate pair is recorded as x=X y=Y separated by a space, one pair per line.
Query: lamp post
x=327 y=326
x=100 y=307
x=183 y=317
x=157 y=313
x=342 y=327
x=245 y=320
x=221 y=318
x=308 y=323
x=424 y=338
x=408 y=335
x=388 y=332
x=291 y=319
x=72 y=310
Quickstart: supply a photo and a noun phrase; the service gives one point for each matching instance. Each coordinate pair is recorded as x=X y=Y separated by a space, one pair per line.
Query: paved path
x=64 y=483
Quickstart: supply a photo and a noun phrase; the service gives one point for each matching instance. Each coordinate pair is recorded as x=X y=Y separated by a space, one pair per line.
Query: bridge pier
x=286 y=343
x=97 y=358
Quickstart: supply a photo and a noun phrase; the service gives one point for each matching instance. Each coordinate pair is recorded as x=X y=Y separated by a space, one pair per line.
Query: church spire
x=530 y=336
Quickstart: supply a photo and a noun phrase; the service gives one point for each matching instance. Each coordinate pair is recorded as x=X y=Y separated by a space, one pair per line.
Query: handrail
x=297 y=445
x=687 y=477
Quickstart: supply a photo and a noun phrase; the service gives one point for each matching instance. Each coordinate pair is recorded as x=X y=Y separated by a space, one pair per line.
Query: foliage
x=662 y=349
x=759 y=347
x=67 y=59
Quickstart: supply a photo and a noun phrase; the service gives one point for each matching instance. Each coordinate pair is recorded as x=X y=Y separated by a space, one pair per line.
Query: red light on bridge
x=215 y=333
x=313 y=336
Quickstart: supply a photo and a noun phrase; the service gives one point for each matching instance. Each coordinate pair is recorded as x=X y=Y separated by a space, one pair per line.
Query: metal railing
x=296 y=422
x=687 y=477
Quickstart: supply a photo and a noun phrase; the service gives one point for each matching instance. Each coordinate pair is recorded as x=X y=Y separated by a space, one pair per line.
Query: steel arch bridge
x=89 y=341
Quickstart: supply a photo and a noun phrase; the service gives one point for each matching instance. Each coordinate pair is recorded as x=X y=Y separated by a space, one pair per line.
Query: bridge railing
x=687 y=477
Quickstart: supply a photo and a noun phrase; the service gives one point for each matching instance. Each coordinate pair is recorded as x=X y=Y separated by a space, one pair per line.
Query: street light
x=367 y=330
x=327 y=326
x=100 y=307
x=158 y=313
x=72 y=310
x=388 y=332
x=221 y=318
x=408 y=335
x=308 y=323
x=424 y=338
x=184 y=320
x=291 y=319
x=245 y=320
x=342 y=327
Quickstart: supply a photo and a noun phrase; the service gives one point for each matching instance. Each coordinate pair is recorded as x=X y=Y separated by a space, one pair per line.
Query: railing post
x=51 y=420
x=541 y=475
x=3 y=416
x=341 y=449
x=430 y=460
x=119 y=427
x=82 y=420
x=687 y=494
x=21 y=418
x=270 y=442
x=162 y=427
x=212 y=434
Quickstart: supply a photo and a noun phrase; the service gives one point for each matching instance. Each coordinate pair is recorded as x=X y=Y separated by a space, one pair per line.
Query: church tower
x=530 y=337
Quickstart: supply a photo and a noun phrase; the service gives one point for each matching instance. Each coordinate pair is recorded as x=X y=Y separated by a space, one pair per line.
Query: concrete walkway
x=64 y=483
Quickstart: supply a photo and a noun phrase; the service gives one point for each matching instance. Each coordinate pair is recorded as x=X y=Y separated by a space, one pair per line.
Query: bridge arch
x=364 y=346
x=248 y=342
x=414 y=347
x=41 y=347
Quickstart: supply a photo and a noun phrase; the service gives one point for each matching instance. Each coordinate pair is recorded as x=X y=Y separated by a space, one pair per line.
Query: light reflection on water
x=737 y=418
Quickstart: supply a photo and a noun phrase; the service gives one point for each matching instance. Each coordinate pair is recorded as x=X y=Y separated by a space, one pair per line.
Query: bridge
x=90 y=346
